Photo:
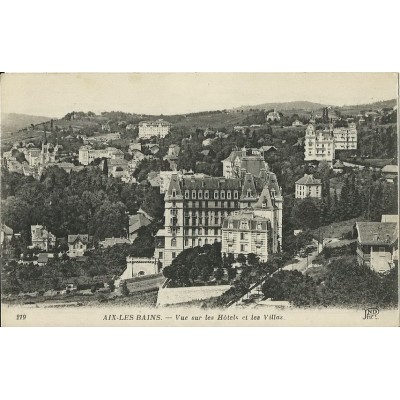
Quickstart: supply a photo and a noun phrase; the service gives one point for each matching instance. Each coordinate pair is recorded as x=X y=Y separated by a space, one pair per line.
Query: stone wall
x=168 y=296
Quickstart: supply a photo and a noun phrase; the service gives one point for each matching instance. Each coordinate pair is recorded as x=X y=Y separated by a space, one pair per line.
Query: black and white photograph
x=199 y=199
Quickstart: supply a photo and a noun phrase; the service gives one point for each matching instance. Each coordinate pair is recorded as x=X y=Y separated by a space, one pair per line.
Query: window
x=228 y=195
x=230 y=225
x=243 y=247
x=173 y=254
x=160 y=254
x=206 y=194
x=235 y=194
x=200 y=195
x=216 y=194
x=205 y=241
x=248 y=193
x=186 y=194
x=186 y=242
x=222 y=194
x=173 y=193
x=215 y=231
x=193 y=194
x=241 y=236
x=200 y=242
x=258 y=227
x=217 y=204
x=173 y=242
x=200 y=231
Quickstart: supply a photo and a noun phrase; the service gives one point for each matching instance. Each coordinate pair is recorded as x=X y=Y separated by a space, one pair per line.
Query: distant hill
x=291 y=105
x=13 y=122
x=372 y=106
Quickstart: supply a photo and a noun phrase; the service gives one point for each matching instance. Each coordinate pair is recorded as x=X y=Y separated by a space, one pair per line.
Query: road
x=301 y=266
x=304 y=262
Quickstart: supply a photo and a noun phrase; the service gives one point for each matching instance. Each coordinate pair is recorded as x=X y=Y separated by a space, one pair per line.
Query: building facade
x=245 y=233
x=345 y=138
x=139 y=266
x=377 y=245
x=308 y=186
x=273 y=116
x=195 y=208
x=42 y=238
x=321 y=145
x=148 y=129
x=87 y=154
x=77 y=245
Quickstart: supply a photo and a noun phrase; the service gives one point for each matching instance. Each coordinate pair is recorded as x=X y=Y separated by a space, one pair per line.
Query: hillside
x=366 y=107
x=291 y=105
x=13 y=122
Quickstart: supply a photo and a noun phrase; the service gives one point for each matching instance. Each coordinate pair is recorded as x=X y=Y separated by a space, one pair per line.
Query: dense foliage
x=102 y=265
x=86 y=202
x=341 y=283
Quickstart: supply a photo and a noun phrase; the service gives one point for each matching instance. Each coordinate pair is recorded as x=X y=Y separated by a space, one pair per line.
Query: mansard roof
x=234 y=221
x=265 y=198
x=210 y=183
x=248 y=187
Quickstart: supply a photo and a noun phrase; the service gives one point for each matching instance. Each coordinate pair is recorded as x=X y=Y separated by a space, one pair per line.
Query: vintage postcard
x=199 y=199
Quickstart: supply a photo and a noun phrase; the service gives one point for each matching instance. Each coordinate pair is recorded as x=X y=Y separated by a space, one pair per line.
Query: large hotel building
x=321 y=145
x=195 y=208
x=148 y=129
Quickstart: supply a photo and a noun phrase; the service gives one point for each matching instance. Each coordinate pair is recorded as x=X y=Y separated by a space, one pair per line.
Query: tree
x=306 y=213
x=194 y=273
x=105 y=166
x=252 y=259
x=231 y=273
x=241 y=258
x=124 y=289
x=218 y=274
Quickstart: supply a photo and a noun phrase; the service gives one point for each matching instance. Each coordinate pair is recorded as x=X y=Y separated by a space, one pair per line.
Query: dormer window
x=259 y=227
x=187 y=194
x=222 y=194
x=200 y=195
x=193 y=194
x=248 y=193
x=228 y=195
x=174 y=193
x=206 y=194
x=264 y=205
x=216 y=194
x=235 y=194
x=230 y=225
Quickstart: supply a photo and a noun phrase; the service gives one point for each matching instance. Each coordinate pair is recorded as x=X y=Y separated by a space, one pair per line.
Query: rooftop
x=137 y=221
x=308 y=180
x=73 y=238
x=377 y=233
x=390 y=169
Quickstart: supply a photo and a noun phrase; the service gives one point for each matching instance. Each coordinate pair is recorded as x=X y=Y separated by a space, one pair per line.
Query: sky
x=54 y=95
